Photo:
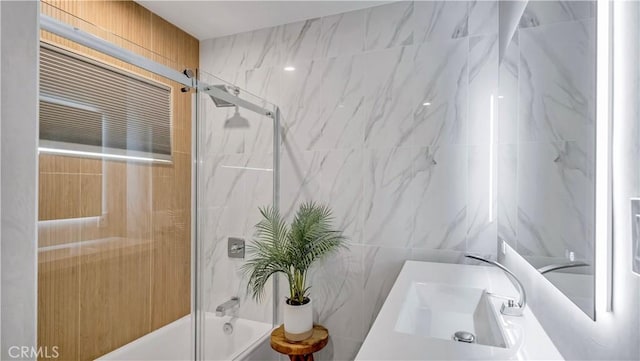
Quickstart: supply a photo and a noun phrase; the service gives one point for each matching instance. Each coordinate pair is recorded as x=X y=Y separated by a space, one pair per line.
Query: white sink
x=429 y=302
x=439 y=311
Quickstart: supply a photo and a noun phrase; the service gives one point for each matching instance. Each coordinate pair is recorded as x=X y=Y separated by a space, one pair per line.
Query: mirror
x=546 y=140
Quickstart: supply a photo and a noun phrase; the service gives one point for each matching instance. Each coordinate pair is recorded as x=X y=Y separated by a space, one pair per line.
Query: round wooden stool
x=303 y=350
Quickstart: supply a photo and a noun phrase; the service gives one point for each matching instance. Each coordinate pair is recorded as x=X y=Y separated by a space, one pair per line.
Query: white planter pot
x=298 y=321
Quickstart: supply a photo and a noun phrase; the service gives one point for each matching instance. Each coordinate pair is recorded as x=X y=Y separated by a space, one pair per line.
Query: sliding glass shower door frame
x=268 y=110
x=190 y=83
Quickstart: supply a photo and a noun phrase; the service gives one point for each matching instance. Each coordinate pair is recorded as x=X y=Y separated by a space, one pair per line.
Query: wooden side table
x=303 y=350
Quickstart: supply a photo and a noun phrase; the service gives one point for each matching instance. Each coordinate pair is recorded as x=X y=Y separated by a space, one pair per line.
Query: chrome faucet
x=511 y=307
x=555 y=267
x=222 y=309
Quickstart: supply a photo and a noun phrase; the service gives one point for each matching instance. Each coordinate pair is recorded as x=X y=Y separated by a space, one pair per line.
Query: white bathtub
x=174 y=341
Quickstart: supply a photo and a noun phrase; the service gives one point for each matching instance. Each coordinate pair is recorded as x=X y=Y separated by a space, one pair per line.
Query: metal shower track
x=84 y=38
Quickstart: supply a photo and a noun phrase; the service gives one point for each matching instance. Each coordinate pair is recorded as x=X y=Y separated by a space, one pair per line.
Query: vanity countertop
x=524 y=337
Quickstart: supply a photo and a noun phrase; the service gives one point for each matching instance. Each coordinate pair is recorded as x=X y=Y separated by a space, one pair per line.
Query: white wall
x=19 y=132
x=614 y=335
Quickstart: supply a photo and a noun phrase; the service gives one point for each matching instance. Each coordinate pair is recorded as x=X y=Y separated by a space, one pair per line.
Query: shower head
x=236 y=120
x=220 y=103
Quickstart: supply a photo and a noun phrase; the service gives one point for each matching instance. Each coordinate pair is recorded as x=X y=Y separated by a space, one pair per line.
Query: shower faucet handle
x=235 y=247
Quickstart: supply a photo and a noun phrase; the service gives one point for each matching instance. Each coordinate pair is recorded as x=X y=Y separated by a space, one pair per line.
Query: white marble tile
x=222 y=180
x=226 y=53
x=436 y=255
x=328 y=111
x=389 y=99
x=258 y=189
x=381 y=266
x=507 y=195
x=552 y=193
x=341 y=34
x=539 y=13
x=261 y=86
x=440 y=196
x=300 y=179
x=222 y=277
x=557 y=81
x=482 y=191
x=207 y=47
x=295 y=89
x=264 y=48
x=507 y=103
x=300 y=41
x=336 y=289
x=440 y=83
x=216 y=225
x=389 y=194
x=389 y=25
x=259 y=135
x=440 y=20
x=342 y=177
x=483 y=17
x=483 y=89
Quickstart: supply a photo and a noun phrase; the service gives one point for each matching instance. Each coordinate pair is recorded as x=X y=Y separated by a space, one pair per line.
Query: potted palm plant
x=291 y=250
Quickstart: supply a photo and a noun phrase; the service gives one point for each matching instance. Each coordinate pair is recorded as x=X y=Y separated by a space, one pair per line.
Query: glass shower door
x=114 y=235
x=236 y=173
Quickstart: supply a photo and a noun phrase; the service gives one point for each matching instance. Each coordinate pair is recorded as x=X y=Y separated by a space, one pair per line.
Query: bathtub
x=174 y=341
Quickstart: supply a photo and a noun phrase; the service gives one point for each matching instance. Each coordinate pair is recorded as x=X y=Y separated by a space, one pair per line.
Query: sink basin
x=439 y=311
x=429 y=302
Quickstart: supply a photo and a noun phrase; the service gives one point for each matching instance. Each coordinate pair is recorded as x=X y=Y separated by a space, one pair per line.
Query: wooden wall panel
x=59 y=303
x=128 y=272
x=71 y=186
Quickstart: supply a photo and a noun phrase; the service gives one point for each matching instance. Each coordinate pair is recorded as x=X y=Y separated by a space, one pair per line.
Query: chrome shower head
x=236 y=120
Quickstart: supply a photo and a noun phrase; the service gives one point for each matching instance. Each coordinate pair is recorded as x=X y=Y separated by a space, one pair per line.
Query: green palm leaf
x=292 y=250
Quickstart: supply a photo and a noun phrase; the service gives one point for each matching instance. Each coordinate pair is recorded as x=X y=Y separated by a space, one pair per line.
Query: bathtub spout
x=222 y=309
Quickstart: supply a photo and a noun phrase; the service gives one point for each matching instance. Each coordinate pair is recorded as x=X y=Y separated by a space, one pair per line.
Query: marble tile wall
x=386 y=119
x=235 y=179
x=547 y=132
